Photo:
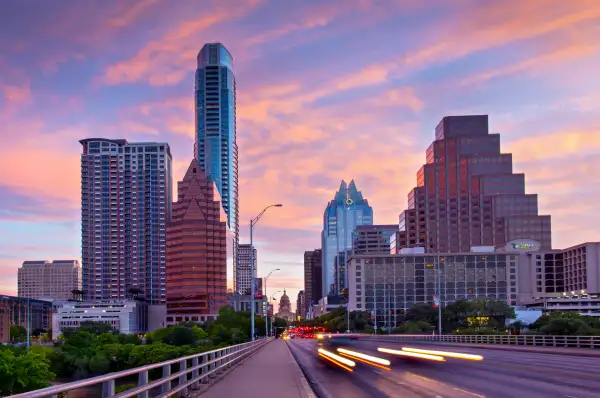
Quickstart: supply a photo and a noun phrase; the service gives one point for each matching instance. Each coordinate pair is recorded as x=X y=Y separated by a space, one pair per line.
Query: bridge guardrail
x=523 y=340
x=193 y=369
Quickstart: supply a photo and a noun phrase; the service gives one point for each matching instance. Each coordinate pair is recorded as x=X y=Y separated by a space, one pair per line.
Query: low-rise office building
x=18 y=311
x=582 y=303
x=127 y=317
x=53 y=280
x=242 y=302
x=519 y=273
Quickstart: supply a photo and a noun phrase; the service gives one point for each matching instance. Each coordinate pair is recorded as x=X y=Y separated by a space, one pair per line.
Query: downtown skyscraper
x=126 y=197
x=215 y=146
x=468 y=195
x=198 y=251
x=244 y=276
x=343 y=214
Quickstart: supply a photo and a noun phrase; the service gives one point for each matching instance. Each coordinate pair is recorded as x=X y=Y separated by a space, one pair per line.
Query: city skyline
x=99 y=71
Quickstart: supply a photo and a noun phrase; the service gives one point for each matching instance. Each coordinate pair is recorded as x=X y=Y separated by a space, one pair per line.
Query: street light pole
x=252 y=267
x=28 y=324
x=267 y=309
x=273 y=317
x=439 y=289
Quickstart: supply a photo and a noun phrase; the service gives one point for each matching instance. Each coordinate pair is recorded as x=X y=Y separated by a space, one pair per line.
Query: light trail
x=368 y=358
x=412 y=354
x=444 y=354
x=336 y=362
x=338 y=358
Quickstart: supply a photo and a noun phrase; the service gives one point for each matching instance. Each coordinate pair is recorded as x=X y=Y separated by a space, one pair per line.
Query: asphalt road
x=501 y=374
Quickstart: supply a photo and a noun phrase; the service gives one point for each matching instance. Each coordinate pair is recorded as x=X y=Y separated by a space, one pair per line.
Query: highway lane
x=500 y=374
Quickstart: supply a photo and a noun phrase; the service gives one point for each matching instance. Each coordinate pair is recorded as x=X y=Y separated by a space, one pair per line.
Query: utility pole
x=439 y=289
x=253 y=267
x=28 y=323
x=389 y=311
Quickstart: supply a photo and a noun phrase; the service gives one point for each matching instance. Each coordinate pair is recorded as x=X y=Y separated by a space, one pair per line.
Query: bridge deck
x=271 y=372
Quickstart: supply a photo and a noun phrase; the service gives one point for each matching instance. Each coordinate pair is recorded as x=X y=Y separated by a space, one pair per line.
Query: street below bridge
x=501 y=373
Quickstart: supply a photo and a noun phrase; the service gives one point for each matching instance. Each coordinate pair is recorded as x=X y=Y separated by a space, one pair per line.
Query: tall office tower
x=244 y=275
x=197 y=251
x=215 y=147
x=49 y=279
x=125 y=210
x=467 y=194
x=300 y=305
x=374 y=239
x=343 y=214
x=313 y=278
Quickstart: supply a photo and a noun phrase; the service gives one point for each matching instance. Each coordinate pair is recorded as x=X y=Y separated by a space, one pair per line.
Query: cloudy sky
x=327 y=90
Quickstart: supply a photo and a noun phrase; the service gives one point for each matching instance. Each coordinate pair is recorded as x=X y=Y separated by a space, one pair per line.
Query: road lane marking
x=444 y=384
x=549 y=371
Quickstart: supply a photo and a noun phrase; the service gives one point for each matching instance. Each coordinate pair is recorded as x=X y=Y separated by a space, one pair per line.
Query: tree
x=422 y=312
x=38 y=332
x=219 y=334
x=96 y=327
x=414 y=327
x=23 y=373
x=566 y=326
x=518 y=325
x=18 y=334
x=477 y=313
x=180 y=335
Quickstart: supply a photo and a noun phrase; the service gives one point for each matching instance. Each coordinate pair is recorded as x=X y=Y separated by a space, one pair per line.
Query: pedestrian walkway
x=271 y=372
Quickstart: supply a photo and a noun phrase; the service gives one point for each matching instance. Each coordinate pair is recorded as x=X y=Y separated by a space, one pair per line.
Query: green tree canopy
x=23 y=373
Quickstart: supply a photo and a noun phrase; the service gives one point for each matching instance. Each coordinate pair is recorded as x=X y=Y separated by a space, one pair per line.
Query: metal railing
x=192 y=370
x=523 y=340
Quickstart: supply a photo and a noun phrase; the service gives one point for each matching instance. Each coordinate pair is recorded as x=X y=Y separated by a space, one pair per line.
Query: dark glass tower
x=343 y=214
x=467 y=194
x=313 y=278
x=215 y=147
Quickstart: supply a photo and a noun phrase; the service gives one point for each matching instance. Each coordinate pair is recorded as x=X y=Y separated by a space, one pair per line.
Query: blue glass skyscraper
x=215 y=146
x=343 y=214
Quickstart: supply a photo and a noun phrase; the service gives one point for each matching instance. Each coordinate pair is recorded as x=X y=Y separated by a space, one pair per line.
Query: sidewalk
x=271 y=372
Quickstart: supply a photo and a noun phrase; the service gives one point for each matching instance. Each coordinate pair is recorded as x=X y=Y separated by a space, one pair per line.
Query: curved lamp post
x=252 y=267
x=273 y=320
x=267 y=309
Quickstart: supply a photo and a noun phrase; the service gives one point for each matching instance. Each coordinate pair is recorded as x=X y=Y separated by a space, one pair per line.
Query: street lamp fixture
x=252 y=266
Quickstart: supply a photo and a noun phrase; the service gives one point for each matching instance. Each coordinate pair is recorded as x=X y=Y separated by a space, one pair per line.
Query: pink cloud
x=558 y=144
x=167 y=59
x=47 y=169
x=17 y=95
x=535 y=64
x=496 y=23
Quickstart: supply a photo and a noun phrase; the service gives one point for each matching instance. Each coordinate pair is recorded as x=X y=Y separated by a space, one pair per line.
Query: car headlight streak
x=444 y=354
x=366 y=357
x=412 y=354
x=337 y=358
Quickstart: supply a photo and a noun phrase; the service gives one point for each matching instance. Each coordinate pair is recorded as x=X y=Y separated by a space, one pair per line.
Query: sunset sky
x=326 y=90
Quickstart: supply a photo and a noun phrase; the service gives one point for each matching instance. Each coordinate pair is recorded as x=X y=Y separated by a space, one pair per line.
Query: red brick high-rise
x=467 y=194
x=198 y=245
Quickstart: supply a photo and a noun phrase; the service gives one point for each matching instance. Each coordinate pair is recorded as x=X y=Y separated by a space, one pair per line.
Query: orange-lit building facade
x=468 y=195
x=199 y=248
